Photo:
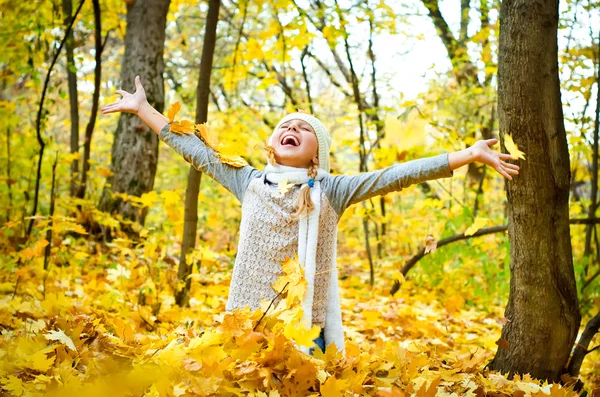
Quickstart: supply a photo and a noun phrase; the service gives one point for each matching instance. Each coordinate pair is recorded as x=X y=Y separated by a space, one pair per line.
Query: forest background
x=97 y=291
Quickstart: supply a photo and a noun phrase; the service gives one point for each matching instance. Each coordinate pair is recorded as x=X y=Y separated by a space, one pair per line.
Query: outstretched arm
x=345 y=190
x=193 y=150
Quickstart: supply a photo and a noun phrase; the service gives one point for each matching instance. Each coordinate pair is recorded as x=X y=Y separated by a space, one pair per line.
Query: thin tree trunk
x=194 y=176
x=48 y=247
x=581 y=349
x=9 y=180
x=594 y=194
x=38 y=123
x=73 y=100
x=306 y=81
x=135 y=146
x=465 y=7
x=89 y=129
x=542 y=305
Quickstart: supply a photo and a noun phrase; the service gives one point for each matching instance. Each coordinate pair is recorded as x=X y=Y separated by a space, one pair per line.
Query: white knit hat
x=323 y=137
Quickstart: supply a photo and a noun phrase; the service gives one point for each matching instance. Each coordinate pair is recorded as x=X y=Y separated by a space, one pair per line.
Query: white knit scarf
x=308 y=235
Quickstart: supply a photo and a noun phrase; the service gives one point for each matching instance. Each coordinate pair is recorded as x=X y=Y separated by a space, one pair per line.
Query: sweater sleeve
x=205 y=159
x=345 y=190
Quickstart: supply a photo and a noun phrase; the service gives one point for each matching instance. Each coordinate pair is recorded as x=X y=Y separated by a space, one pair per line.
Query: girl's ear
x=315 y=159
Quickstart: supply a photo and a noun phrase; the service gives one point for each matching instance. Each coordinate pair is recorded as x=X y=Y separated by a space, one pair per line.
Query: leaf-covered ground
x=103 y=321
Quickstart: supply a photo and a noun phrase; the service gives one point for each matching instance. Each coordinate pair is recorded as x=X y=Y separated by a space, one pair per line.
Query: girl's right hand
x=129 y=103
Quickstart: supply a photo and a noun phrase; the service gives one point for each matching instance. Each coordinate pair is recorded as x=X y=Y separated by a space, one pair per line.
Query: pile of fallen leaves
x=102 y=321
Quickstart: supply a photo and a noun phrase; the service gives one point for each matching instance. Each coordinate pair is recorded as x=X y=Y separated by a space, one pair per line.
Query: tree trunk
x=135 y=146
x=89 y=129
x=190 y=223
x=542 y=308
x=73 y=101
x=594 y=194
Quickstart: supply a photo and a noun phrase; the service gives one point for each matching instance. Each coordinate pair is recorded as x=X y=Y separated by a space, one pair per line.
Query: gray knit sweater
x=268 y=234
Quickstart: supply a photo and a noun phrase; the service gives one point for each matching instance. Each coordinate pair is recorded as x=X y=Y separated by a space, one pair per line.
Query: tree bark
x=190 y=223
x=542 y=306
x=594 y=194
x=135 y=146
x=39 y=119
x=73 y=100
x=89 y=129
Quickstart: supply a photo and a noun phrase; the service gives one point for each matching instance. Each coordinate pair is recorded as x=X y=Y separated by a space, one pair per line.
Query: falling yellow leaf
x=173 y=111
x=454 y=303
x=103 y=171
x=182 y=127
x=283 y=187
x=478 y=224
x=512 y=148
x=234 y=161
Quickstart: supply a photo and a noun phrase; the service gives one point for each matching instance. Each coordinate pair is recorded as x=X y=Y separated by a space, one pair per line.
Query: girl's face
x=295 y=144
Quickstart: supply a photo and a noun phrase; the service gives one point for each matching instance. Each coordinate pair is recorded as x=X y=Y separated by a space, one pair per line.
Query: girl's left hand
x=485 y=155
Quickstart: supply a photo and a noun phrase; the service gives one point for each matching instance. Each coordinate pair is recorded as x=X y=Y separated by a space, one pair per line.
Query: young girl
x=304 y=219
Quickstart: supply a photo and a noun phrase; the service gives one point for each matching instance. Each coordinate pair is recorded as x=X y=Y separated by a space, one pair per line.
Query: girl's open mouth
x=290 y=140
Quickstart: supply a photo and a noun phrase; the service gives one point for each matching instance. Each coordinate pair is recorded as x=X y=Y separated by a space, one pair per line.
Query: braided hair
x=304 y=202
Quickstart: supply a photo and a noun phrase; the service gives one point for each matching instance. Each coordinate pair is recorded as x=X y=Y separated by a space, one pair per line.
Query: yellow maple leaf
x=209 y=137
x=234 y=161
x=334 y=387
x=299 y=334
x=296 y=291
x=512 y=148
x=454 y=303
x=292 y=265
x=210 y=337
x=293 y=276
x=173 y=111
x=103 y=171
x=182 y=127
x=235 y=323
x=123 y=330
x=478 y=224
x=36 y=250
x=430 y=391
x=13 y=384
x=39 y=361
x=283 y=187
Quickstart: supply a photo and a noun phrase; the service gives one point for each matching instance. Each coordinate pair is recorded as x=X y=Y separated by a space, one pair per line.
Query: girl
x=304 y=219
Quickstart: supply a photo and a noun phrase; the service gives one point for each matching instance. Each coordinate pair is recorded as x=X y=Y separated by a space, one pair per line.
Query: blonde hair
x=304 y=202
x=270 y=153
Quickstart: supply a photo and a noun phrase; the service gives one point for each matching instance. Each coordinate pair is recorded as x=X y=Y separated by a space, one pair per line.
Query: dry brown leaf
x=503 y=344
x=430 y=244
